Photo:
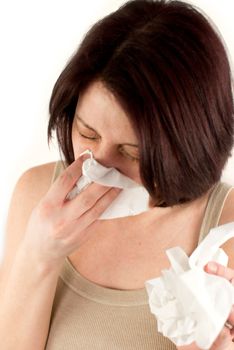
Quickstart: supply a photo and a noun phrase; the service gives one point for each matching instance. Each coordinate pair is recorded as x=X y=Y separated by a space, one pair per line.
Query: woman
x=149 y=93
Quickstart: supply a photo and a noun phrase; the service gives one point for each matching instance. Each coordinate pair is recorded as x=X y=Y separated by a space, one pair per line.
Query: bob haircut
x=169 y=70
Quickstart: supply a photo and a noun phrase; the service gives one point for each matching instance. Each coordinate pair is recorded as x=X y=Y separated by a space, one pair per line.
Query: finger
x=230 y=319
x=83 y=223
x=85 y=200
x=65 y=182
x=219 y=270
x=223 y=340
x=232 y=333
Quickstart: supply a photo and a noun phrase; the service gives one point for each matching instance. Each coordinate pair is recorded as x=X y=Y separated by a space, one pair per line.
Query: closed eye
x=122 y=150
x=88 y=137
x=127 y=155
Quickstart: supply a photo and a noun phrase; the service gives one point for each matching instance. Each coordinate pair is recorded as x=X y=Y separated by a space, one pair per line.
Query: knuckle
x=58 y=228
x=66 y=178
x=59 y=225
x=100 y=207
x=111 y=195
x=46 y=208
x=115 y=192
x=97 y=210
x=87 y=201
x=221 y=270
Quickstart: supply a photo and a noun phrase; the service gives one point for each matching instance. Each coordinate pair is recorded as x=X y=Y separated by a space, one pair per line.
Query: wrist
x=38 y=265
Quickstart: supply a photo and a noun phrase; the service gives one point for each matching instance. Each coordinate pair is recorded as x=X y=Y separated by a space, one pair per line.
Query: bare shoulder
x=228 y=216
x=31 y=186
x=35 y=182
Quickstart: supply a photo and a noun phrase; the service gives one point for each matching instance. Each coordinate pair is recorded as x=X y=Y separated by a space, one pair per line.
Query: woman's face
x=101 y=125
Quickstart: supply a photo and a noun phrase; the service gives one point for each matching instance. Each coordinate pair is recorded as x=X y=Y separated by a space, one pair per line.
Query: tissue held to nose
x=132 y=200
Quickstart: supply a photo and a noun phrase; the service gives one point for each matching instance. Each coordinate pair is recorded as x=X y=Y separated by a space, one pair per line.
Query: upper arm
x=29 y=189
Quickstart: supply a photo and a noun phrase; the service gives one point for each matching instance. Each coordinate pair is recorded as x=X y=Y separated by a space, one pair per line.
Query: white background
x=37 y=38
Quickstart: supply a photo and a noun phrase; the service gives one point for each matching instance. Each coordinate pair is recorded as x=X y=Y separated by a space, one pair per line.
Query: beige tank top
x=88 y=316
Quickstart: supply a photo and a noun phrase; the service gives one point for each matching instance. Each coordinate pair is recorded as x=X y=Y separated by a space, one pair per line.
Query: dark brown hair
x=168 y=68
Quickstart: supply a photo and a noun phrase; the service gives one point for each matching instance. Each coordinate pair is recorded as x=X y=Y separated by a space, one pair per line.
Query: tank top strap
x=58 y=169
x=214 y=208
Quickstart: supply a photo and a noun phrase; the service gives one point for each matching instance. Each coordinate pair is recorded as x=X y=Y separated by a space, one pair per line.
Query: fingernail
x=212 y=267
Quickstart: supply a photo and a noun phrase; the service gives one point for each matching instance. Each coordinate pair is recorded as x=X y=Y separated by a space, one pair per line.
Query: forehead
x=99 y=108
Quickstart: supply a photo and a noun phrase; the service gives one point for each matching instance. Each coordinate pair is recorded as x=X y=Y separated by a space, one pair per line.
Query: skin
x=47 y=228
x=112 y=133
x=101 y=125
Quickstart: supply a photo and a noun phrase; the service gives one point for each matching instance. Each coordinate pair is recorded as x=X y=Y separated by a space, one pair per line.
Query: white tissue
x=190 y=304
x=132 y=200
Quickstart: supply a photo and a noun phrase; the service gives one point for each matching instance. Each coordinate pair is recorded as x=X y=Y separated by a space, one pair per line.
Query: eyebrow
x=90 y=128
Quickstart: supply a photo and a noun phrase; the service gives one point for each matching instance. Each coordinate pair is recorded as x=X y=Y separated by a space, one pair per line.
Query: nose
x=105 y=159
x=106 y=155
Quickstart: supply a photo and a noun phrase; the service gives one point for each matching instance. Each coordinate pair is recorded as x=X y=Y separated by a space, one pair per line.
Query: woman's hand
x=57 y=226
x=224 y=339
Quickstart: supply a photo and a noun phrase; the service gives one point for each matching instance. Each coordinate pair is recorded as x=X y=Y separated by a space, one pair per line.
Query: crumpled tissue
x=190 y=304
x=132 y=200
